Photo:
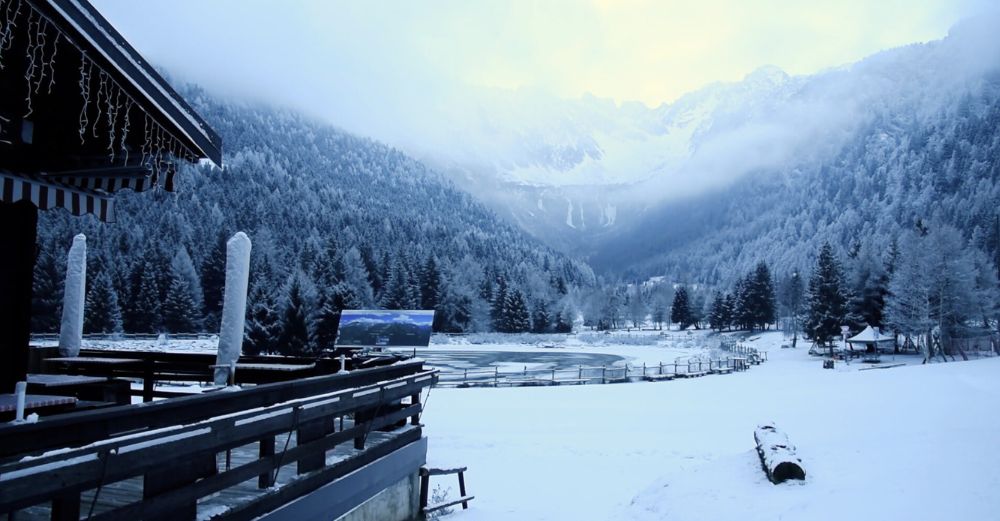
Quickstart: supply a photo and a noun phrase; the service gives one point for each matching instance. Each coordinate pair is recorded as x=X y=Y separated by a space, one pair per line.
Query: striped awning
x=46 y=193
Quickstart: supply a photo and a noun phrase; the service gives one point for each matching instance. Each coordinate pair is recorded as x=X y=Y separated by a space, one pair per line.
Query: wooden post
x=425 y=483
x=603 y=372
x=179 y=474
x=311 y=431
x=496 y=376
x=415 y=400
x=461 y=489
x=17 y=267
x=148 y=380
x=266 y=451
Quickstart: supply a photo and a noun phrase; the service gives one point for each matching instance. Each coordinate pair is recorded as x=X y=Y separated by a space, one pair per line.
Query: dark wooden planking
x=263 y=422
x=152 y=455
x=307 y=484
x=87 y=427
x=165 y=503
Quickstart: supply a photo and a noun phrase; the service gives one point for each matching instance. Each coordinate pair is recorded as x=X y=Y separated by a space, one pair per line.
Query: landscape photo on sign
x=377 y=328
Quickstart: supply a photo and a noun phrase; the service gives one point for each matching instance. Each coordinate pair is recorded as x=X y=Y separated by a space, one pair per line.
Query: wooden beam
x=17 y=266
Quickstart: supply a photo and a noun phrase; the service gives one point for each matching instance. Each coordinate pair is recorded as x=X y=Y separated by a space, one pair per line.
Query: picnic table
x=39 y=403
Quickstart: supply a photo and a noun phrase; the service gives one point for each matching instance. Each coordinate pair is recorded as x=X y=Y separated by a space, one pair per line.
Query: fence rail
x=496 y=377
x=176 y=464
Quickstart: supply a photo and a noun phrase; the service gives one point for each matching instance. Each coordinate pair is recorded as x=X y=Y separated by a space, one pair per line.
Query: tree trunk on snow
x=777 y=455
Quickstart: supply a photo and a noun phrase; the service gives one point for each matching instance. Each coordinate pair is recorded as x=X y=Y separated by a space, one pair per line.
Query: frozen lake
x=549 y=359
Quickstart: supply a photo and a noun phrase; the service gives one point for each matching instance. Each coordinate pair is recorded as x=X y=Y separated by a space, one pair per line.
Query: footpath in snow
x=914 y=442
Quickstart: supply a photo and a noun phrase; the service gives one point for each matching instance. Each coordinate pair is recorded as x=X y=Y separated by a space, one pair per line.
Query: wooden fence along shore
x=744 y=357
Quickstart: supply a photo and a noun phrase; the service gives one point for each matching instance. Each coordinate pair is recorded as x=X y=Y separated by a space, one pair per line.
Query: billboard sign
x=384 y=328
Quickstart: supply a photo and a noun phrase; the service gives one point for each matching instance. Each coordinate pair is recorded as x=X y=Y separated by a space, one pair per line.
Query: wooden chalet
x=82 y=116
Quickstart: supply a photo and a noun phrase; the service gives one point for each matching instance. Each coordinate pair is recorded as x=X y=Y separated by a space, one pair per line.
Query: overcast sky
x=362 y=64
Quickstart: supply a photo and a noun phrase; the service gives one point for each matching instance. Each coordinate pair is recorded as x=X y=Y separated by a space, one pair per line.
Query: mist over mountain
x=681 y=188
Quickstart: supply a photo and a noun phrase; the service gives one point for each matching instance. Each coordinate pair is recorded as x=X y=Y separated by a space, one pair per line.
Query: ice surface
x=234 y=304
x=71 y=329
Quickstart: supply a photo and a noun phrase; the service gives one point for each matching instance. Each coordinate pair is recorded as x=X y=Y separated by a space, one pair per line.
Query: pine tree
x=680 y=311
x=103 y=314
x=179 y=313
x=213 y=281
x=46 y=299
x=716 y=317
x=827 y=303
x=762 y=297
x=540 y=322
x=263 y=321
x=294 y=337
x=143 y=309
x=791 y=302
x=430 y=285
x=499 y=308
x=182 y=266
x=517 y=319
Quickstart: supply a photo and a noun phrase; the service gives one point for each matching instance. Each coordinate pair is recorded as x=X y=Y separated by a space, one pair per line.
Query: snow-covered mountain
x=581 y=174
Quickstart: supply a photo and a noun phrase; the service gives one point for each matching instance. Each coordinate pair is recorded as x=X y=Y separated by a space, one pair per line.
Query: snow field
x=916 y=442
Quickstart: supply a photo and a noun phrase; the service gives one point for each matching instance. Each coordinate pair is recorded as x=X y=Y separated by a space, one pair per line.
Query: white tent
x=870 y=335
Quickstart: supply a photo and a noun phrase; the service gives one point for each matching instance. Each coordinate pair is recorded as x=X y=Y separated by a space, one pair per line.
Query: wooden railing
x=173 y=449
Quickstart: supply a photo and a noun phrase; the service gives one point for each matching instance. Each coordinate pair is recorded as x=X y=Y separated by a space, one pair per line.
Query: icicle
x=113 y=108
x=126 y=125
x=102 y=90
x=41 y=38
x=86 y=67
x=31 y=50
x=7 y=32
x=52 y=61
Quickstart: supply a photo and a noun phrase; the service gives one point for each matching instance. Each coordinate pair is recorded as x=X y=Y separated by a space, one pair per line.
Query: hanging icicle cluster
x=106 y=110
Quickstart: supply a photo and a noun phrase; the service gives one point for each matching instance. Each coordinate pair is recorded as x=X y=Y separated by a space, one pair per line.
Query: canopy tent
x=82 y=116
x=870 y=336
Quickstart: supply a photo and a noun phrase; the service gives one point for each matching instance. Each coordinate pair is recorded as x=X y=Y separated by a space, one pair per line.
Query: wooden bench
x=425 y=483
x=658 y=377
x=722 y=370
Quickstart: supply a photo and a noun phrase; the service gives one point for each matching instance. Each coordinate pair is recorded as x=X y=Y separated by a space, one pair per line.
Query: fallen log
x=777 y=454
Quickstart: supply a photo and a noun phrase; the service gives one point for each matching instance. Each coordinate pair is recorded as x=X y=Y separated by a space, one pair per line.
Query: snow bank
x=71 y=329
x=234 y=305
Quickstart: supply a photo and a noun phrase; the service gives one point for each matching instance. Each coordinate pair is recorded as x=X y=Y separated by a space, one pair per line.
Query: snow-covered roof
x=870 y=335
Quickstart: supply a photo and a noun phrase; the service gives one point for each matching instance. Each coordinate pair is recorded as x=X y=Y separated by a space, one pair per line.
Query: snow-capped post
x=234 y=307
x=343 y=364
x=71 y=329
x=777 y=454
x=20 y=388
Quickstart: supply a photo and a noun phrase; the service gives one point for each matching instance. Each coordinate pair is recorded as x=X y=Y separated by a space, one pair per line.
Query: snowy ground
x=915 y=442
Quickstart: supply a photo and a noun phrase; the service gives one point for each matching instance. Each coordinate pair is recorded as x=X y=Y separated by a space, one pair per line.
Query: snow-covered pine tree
x=46 y=300
x=294 y=337
x=213 y=281
x=716 y=317
x=430 y=284
x=143 y=309
x=762 y=296
x=541 y=322
x=179 y=312
x=263 y=321
x=680 y=311
x=518 y=319
x=102 y=313
x=182 y=266
x=791 y=297
x=826 y=302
